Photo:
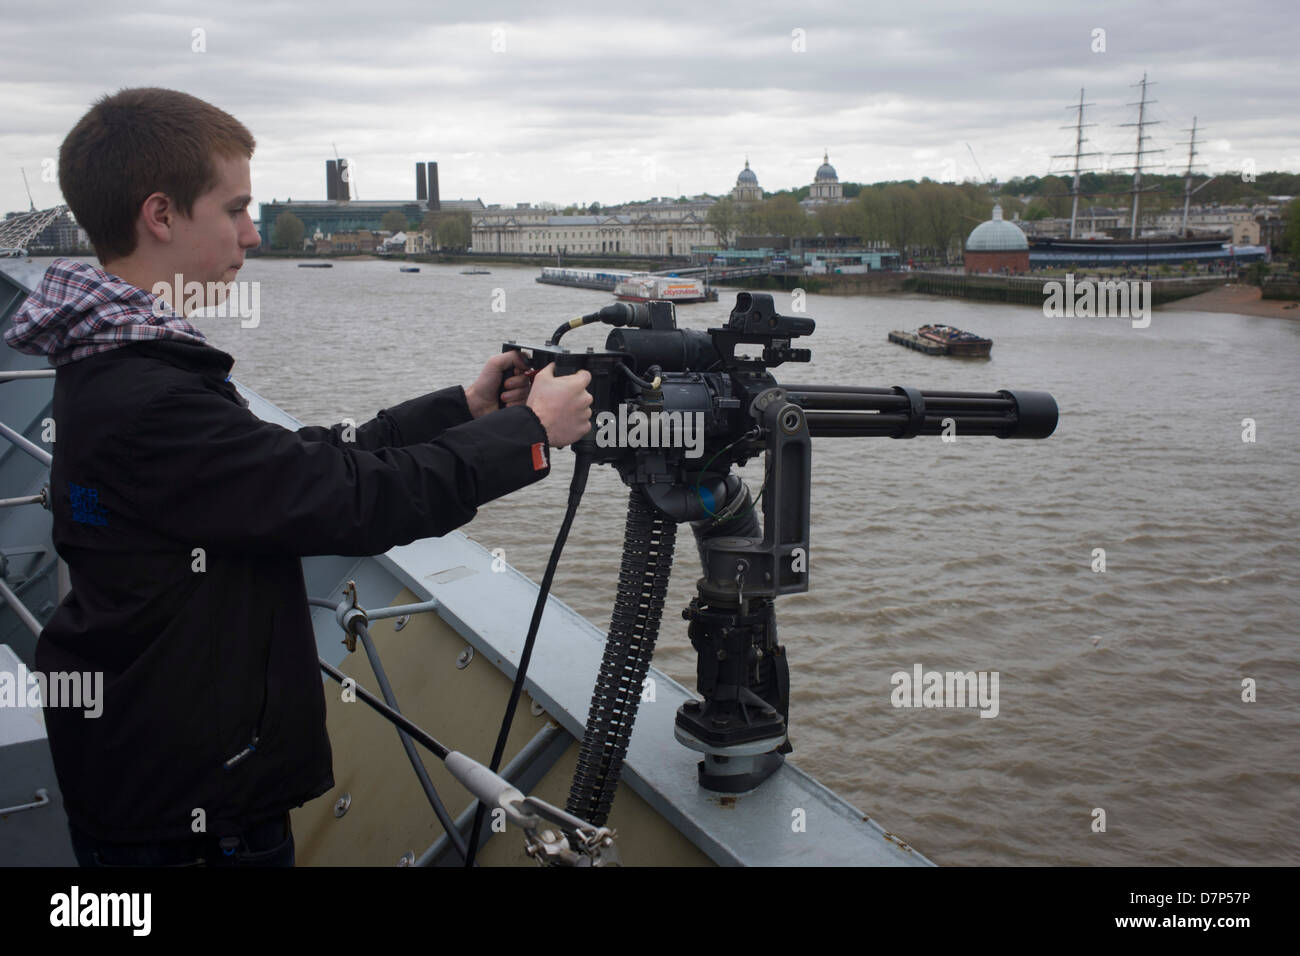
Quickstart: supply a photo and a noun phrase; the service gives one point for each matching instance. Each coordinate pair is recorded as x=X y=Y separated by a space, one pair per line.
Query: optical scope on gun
x=673 y=411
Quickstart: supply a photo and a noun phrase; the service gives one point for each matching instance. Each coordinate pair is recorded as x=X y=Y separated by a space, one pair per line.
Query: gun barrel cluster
x=844 y=411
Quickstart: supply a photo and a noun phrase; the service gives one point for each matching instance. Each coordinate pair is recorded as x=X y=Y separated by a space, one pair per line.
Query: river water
x=1119 y=691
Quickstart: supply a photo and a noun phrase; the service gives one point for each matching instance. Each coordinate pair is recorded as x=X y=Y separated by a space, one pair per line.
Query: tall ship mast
x=1078 y=154
x=1188 y=191
x=1140 y=151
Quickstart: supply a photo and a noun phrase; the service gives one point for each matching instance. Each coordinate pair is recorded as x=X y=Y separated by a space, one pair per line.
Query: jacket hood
x=80 y=310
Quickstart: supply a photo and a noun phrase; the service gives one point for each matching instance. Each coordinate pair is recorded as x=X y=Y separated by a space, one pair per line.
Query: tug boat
x=944 y=340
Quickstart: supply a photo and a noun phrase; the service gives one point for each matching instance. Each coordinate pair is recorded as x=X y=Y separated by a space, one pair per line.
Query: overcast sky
x=609 y=102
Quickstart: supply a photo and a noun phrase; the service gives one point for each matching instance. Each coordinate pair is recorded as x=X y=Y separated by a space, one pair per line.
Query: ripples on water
x=1119 y=690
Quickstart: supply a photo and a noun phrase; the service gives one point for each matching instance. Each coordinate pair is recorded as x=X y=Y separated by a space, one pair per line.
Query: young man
x=182 y=516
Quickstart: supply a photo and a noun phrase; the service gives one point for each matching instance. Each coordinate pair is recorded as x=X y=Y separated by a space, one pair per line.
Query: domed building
x=997 y=245
x=747 y=188
x=826 y=184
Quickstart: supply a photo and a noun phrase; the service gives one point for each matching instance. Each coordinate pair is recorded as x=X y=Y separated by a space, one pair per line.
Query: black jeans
x=264 y=844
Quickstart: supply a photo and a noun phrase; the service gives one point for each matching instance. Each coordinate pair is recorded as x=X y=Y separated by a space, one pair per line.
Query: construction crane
x=984 y=179
x=30 y=201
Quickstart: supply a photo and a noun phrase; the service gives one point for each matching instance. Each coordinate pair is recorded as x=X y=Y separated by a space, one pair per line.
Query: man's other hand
x=563 y=404
x=489 y=388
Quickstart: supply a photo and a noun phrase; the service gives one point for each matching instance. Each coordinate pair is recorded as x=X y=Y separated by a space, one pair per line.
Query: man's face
x=209 y=245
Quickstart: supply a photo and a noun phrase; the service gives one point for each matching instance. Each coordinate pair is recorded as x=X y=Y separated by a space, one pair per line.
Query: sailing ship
x=1095 y=248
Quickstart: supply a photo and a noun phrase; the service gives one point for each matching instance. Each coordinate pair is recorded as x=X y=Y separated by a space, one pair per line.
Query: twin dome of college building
x=993 y=246
x=825 y=186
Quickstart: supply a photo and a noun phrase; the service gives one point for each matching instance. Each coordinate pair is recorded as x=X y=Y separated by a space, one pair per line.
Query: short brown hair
x=136 y=142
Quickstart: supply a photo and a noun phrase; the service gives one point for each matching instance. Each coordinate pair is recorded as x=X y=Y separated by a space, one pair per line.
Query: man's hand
x=563 y=405
x=482 y=397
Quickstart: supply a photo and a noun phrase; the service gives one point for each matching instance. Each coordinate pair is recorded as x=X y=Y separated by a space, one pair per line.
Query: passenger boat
x=603 y=280
x=645 y=288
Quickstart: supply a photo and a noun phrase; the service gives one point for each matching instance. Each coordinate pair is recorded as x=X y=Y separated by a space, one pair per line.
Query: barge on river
x=944 y=340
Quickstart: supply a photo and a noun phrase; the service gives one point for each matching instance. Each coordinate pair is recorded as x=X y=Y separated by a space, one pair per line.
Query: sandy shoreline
x=1238 y=299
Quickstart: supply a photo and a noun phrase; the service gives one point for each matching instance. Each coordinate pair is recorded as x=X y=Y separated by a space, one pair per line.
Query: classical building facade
x=658 y=228
x=1241 y=222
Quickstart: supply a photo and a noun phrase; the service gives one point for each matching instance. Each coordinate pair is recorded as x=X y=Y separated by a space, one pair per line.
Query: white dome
x=996 y=235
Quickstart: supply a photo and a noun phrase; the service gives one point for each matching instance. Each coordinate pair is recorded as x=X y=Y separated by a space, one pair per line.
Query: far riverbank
x=1240 y=299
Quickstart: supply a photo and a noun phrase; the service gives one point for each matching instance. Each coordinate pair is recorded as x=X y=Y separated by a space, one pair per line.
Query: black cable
x=581 y=468
x=636 y=379
x=421 y=736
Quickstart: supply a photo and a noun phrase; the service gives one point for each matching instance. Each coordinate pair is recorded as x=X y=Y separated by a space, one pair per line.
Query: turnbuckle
x=528 y=813
x=549 y=848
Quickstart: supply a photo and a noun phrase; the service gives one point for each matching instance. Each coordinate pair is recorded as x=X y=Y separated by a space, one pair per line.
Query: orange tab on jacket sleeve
x=539 y=456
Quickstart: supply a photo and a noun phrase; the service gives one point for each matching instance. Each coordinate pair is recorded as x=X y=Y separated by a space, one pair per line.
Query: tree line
x=451 y=230
x=928 y=219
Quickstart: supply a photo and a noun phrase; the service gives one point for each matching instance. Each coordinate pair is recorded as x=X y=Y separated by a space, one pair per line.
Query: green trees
x=1291 y=237
x=723 y=217
x=393 y=221
x=783 y=216
x=1054 y=194
x=287 y=232
x=941 y=225
x=453 y=231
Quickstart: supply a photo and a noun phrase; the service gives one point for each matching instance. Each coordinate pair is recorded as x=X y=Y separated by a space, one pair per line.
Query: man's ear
x=157 y=217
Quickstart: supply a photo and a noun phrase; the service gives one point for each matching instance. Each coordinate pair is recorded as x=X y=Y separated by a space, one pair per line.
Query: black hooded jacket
x=212 y=696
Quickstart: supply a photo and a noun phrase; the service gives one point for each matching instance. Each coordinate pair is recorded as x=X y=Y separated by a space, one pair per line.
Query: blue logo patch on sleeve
x=85 y=505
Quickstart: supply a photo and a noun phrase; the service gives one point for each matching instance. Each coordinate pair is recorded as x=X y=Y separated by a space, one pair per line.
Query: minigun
x=674 y=410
